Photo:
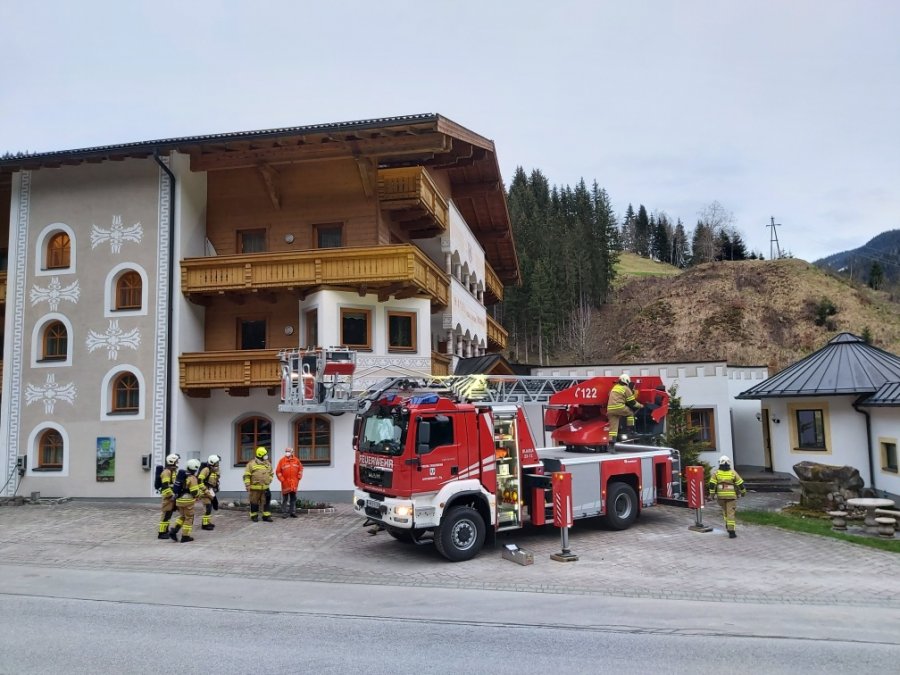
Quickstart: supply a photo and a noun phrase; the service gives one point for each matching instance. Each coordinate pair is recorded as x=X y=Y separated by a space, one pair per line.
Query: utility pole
x=773 y=239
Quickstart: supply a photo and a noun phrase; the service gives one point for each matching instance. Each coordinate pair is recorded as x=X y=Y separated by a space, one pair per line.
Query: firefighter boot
x=732 y=534
x=186 y=537
x=268 y=519
x=207 y=526
x=173 y=533
x=163 y=535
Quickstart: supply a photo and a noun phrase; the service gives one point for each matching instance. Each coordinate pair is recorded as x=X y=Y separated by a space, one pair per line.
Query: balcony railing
x=492 y=283
x=440 y=364
x=240 y=369
x=412 y=190
x=496 y=334
x=401 y=270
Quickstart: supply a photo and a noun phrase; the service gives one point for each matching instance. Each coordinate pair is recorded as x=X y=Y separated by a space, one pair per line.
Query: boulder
x=825 y=486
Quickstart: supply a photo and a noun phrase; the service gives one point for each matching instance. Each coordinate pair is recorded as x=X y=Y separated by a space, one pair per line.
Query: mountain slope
x=856 y=264
x=750 y=312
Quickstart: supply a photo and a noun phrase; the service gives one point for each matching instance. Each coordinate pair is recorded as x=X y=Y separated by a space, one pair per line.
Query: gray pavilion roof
x=887 y=396
x=846 y=365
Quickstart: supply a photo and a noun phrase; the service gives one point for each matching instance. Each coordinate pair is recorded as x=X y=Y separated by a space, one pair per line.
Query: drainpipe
x=169 y=309
x=868 y=438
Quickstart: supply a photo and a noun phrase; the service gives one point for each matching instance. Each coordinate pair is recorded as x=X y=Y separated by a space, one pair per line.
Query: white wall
x=885 y=428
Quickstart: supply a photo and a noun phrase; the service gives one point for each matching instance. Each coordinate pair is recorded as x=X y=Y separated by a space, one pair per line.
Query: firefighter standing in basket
x=257 y=478
x=167 y=477
x=724 y=485
x=622 y=403
x=186 y=495
x=209 y=486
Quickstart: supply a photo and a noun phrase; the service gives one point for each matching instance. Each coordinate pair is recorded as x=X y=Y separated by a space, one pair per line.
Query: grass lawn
x=815 y=524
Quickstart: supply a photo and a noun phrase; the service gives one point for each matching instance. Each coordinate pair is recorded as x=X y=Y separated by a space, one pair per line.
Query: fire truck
x=453 y=460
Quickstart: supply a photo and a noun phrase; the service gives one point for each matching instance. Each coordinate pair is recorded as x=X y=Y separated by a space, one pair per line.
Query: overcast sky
x=784 y=109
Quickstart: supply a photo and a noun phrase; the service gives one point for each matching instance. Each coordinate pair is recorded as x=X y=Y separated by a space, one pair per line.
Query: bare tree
x=579 y=330
x=714 y=219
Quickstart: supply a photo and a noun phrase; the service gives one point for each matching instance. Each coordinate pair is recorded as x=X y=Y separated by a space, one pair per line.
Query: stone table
x=870 y=504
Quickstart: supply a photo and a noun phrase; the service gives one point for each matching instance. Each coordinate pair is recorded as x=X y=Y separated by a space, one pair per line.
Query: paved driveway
x=657 y=558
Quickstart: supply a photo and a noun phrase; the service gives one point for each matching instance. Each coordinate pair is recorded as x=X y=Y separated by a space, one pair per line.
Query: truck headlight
x=403 y=510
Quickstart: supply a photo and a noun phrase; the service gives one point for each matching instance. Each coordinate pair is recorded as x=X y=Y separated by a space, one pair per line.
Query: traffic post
x=563 y=517
x=696 y=492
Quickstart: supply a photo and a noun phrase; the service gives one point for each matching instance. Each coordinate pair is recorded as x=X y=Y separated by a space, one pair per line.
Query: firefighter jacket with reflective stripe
x=167 y=477
x=257 y=475
x=724 y=484
x=209 y=477
x=621 y=399
x=192 y=489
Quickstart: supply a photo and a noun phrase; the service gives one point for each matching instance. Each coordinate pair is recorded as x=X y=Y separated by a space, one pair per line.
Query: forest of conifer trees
x=568 y=241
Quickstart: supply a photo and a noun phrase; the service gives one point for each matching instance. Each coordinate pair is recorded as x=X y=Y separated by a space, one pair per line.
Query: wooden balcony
x=237 y=371
x=402 y=271
x=414 y=198
x=497 y=335
x=440 y=364
x=492 y=284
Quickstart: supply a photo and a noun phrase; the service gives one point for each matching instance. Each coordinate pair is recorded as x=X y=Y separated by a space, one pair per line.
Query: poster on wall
x=106 y=459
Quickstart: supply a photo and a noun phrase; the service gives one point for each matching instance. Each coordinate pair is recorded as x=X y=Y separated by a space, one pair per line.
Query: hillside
x=857 y=263
x=750 y=312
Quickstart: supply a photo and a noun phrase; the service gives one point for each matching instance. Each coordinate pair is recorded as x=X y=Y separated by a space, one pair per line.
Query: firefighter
x=724 y=485
x=187 y=495
x=622 y=403
x=167 y=477
x=289 y=472
x=209 y=486
x=257 y=478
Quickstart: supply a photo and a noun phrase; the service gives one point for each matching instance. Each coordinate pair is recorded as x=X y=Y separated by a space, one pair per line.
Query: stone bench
x=886 y=526
x=887 y=513
x=838 y=520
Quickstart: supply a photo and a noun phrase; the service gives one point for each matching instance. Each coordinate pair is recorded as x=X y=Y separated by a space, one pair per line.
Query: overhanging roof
x=847 y=365
x=887 y=396
x=430 y=140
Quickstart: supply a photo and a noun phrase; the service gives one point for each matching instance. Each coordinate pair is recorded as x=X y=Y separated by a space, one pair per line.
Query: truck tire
x=621 y=506
x=461 y=534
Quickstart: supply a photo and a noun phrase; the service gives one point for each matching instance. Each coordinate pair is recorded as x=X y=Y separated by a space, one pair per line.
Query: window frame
x=63 y=252
x=133 y=393
x=239 y=325
x=413 y=321
x=260 y=437
x=40 y=251
x=311 y=327
x=40 y=464
x=299 y=447
x=45 y=342
x=367 y=346
x=707 y=430
x=251 y=232
x=794 y=427
x=319 y=228
x=138 y=290
x=886 y=466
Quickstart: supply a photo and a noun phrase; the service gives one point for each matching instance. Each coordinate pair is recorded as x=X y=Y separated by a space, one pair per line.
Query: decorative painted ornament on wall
x=50 y=392
x=113 y=339
x=116 y=235
x=54 y=293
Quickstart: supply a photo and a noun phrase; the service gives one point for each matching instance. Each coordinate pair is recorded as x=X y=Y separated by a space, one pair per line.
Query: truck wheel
x=461 y=535
x=621 y=506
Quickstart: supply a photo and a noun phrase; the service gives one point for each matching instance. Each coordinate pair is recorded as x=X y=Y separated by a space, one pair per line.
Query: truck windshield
x=383 y=434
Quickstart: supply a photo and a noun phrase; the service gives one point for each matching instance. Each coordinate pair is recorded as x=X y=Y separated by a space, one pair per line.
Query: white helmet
x=172 y=459
x=625 y=379
x=724 y=459
x=193 y=465
x=213 y=459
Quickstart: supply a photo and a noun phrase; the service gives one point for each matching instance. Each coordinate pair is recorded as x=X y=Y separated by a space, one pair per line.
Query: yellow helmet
x=261 y=452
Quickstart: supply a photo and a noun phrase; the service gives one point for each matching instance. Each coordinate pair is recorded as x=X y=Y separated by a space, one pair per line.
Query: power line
x=773 y=239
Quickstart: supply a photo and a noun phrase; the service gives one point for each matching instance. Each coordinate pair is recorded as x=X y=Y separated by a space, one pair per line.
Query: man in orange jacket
x=289 y=472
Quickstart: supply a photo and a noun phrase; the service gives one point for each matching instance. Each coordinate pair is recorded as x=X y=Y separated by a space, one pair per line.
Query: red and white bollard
x=696 y=494
x=563 y=516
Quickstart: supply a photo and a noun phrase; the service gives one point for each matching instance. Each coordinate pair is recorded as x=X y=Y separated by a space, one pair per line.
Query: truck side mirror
x=423 y=437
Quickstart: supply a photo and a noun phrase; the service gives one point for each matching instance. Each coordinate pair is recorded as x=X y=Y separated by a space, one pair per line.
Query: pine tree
x=642 y=233
x=876 y=276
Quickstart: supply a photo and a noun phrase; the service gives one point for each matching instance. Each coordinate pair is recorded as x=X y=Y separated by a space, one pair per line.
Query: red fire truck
x=453 y=460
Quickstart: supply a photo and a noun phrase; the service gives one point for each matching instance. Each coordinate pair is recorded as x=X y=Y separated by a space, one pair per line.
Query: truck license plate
x=372 y=504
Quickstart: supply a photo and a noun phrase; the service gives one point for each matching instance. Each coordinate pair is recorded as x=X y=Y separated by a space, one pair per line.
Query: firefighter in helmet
x=208 y=477
x=186 y=495
x=167 y=477
x=257 y=478
x=622 y=404
x=724 y=485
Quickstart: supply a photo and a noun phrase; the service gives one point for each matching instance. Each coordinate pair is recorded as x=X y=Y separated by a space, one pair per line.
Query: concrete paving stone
x=657 y=558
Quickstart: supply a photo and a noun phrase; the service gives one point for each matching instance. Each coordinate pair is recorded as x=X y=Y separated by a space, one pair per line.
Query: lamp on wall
x=758 y=417
x=288 y=330
x=776 y=420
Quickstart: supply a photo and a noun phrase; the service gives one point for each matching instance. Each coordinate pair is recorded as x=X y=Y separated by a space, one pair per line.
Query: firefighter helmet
x=261 y=452
x=193 y=465
x=172 y=459
x=724 y=460
x=625 y=379
x=213 y=459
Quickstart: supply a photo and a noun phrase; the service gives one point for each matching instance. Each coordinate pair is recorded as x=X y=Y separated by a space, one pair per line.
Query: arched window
x=56 y=341
x=59 y=249
x=126 y=394
x=251 y=432
x=128 y=291
x=50 y=450
x=312 y=438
